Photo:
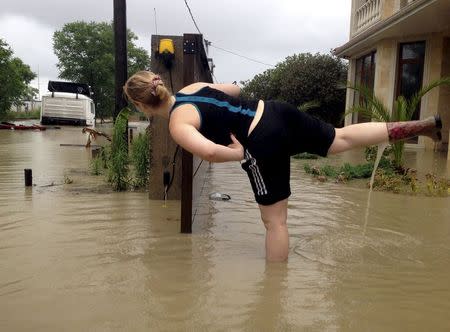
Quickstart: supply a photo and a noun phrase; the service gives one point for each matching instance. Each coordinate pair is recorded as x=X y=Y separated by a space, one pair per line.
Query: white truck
x=67 y=104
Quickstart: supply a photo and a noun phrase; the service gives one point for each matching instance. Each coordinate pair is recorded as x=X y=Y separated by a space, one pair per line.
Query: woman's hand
x=237 y=147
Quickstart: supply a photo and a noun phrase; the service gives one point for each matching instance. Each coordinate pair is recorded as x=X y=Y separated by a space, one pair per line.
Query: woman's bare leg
x=277 y=238
x=359 y=135
x=370 y=133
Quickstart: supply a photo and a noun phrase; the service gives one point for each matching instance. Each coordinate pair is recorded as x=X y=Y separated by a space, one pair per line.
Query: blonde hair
x=147 y=88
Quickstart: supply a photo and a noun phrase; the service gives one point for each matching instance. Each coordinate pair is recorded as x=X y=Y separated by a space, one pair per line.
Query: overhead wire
x=192 y=16
x=156 y=23
x=209 y=43
x=240 y=55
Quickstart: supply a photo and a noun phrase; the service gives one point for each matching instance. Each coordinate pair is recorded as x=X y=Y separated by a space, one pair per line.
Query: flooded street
x=79 y=257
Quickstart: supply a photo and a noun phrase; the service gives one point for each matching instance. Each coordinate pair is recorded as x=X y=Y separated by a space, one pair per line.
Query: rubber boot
x=430 y=127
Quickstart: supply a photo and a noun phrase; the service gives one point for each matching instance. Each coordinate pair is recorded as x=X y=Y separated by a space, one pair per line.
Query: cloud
x=32 y=43
x=267 y=31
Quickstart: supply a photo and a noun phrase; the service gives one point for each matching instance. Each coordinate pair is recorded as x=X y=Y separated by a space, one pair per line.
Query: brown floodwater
x=79 y=257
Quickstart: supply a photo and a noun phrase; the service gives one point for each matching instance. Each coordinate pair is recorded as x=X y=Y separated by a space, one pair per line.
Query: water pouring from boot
x=401 y=131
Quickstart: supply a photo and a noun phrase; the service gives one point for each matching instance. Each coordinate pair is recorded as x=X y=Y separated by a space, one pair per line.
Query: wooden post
x=163 y=147
x=189 y=53
x=186 y=192
x=28 y=177
x=190 y=65
x=448 y=153
x=121 y=59
x=131 y=135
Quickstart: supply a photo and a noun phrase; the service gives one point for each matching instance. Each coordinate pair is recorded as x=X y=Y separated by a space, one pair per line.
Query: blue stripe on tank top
x=216 y=102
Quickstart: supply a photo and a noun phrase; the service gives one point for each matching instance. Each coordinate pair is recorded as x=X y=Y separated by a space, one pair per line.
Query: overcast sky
x=267 y=31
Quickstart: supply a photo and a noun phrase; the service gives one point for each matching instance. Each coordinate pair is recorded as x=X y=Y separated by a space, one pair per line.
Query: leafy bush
x=124 y=169
x=341 y=173
x=387 y=178
x=140 y=159
x=305 y=155
x=96 y=166
x=304 y=78
x=118 y=159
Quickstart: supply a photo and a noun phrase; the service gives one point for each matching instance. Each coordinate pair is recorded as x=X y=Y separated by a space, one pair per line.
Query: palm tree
x=403 y=110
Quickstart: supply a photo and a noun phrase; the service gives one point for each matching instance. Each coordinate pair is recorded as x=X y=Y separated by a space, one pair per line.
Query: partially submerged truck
x=68 y=103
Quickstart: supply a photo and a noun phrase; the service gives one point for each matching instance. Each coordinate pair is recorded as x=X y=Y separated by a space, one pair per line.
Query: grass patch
x=140 y=159
x=388 y=176
x=305 y=155
x=30 y=115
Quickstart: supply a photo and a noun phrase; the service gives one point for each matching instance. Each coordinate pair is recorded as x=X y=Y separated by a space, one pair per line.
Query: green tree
x=404 y=110
x=304 y=79
x=85 y=53
x=15 y=77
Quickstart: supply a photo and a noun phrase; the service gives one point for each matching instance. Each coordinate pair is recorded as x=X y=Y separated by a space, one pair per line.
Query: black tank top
x=220 y=114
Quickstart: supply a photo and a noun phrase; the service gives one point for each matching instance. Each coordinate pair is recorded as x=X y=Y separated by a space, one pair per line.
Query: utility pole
x=39 y=85
x=121 y=60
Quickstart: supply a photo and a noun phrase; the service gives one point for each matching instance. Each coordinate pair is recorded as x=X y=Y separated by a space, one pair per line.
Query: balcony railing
x=367 y=14
x=404 y=3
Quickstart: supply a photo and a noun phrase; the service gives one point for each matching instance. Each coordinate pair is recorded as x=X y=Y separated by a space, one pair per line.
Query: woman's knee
x=274 y=216
x=274 y=223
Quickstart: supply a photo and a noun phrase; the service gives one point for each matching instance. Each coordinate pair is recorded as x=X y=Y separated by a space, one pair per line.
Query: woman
x=214 y=123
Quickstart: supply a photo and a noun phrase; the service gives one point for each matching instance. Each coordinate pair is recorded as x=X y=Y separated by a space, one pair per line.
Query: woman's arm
x=190 y=139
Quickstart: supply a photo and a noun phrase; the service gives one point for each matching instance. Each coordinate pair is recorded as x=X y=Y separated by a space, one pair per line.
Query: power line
x=192 y=16
x=208 y=43
x=239 y=55
x=156 y=22
x=214 y=76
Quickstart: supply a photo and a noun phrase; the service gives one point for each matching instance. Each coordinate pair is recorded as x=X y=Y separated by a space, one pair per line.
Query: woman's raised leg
x=370 y=133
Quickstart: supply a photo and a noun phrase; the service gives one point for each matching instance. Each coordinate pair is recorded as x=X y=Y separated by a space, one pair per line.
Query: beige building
x=396 y=47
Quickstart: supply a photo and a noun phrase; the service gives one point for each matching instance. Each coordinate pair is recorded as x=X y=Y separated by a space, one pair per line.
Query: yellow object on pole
x=166 y=52
x=166 y=46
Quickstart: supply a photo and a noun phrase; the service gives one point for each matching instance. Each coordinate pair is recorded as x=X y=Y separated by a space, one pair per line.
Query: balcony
x=404 y=3
x=371 y=11
x=399 y=18
x=367 y=14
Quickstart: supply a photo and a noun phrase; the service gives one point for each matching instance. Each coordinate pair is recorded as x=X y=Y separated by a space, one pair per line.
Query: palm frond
x=359 y=109
x=401 y=110
x=416 y=98
x=374 y=105
x=308 y=105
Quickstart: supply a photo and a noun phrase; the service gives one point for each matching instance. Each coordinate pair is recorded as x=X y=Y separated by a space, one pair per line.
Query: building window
x=410 y=72
x=365 y=76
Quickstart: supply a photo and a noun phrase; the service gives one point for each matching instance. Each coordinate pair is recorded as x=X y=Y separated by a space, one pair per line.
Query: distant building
x=27 y=106
x=395 y=48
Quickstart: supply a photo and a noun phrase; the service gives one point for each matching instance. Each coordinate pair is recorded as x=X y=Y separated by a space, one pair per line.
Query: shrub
x=118 y=159
x=96 y=166
x=140 y=159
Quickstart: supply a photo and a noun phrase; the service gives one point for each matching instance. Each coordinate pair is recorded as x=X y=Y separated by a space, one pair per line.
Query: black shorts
x=282 y=132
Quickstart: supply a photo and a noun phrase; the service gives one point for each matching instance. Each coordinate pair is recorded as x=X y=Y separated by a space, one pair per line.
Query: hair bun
x=155 y=82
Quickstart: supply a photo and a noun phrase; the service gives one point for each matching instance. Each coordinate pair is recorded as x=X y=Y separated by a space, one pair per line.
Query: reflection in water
x=270 y=292
x=80 y=257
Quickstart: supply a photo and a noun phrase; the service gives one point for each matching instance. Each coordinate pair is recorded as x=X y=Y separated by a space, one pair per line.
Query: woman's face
x=147 y=110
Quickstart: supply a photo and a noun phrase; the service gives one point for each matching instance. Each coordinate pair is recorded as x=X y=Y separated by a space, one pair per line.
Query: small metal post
x=131 y=135
x=95 y=152
x=28 y=177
